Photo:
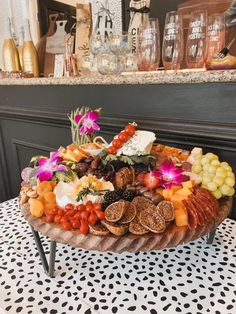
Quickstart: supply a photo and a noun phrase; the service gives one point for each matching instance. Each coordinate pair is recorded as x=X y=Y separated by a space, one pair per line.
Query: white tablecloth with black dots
x=192 y=278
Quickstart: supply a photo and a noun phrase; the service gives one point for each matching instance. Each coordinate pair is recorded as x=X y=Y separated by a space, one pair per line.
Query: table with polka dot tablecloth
x=192 y=278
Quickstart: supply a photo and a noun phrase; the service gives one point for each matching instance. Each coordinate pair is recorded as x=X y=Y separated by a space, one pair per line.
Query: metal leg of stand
x=49 y=269
x=211 y=236
x=53 y=247
x=41 y=250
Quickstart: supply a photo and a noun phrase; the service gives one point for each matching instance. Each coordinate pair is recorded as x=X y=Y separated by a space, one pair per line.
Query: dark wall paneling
x=4 y=178
x=34 y=121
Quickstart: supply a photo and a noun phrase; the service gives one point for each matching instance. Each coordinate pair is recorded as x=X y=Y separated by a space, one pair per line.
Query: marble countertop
x=158 y=77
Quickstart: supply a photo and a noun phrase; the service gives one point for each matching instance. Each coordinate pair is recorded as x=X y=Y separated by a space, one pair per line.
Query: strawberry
x=150 y=181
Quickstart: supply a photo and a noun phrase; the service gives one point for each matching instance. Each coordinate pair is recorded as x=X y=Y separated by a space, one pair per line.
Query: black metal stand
x=211 y=236
x=48 y=268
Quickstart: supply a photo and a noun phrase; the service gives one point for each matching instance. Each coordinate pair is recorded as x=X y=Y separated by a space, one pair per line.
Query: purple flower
x=47 y=166
x=78 y=118
x=169 y=175
x=88 y=122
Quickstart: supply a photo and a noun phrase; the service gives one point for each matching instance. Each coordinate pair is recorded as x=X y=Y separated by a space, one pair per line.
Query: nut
x=149 y=194
x=25 y=189
x=143 y=190
x=131 y=188
x=157 y=199
x=139 y=187
x=32 y=194
x=23 y=199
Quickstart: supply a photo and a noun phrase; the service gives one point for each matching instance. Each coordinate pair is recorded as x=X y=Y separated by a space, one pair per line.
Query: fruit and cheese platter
x=133 y=194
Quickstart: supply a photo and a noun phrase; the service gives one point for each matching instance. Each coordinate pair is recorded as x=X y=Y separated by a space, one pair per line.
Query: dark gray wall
x=33 y=119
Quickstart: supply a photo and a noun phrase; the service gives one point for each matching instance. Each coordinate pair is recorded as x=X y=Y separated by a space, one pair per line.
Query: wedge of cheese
x=138 y=145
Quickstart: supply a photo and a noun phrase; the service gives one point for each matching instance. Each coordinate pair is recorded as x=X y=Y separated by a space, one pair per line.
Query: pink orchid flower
x=169 y=175
x=88 y=122
x=47 y=166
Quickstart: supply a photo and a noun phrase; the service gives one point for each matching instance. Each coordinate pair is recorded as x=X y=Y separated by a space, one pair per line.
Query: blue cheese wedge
x=140 y=144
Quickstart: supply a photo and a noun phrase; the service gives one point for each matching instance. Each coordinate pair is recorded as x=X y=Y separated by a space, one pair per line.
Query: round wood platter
x=171 y=237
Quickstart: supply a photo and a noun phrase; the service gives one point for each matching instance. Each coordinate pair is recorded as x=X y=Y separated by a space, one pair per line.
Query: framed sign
x=107 y=16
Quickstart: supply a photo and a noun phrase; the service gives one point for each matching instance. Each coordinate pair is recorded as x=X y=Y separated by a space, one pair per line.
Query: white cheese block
x=138 y=145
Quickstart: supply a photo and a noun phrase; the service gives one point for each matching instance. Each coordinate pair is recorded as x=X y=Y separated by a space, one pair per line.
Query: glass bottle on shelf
x=29 y=54
x=20 y=45
x=10 y=56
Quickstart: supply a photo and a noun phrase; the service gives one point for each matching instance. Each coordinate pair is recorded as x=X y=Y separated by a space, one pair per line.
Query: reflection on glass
x=215 y=35
x=172 y=49
x=196 y=40
x=149 y=46
x=107 y=63
x=120 y=44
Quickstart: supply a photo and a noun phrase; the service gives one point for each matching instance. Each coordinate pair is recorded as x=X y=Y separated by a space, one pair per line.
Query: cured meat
x=192 y=215
x=202 y=207
x=210 y=198
x=206 y=208
x=201 y=218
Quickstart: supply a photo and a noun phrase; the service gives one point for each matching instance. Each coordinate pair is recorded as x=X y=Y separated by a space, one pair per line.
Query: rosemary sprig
x=89 y=190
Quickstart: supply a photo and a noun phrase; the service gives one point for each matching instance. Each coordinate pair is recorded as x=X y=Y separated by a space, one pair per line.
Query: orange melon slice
x=181 y=217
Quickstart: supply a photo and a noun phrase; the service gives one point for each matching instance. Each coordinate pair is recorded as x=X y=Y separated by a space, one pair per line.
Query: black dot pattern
x=192 y=278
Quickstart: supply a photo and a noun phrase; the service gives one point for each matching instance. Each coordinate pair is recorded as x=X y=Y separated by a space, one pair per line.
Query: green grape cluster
x=217 y=177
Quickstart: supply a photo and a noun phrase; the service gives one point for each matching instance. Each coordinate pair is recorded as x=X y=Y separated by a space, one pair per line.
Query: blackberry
x=128 y=195
x=111 y=197
x=119 y=192
x=105 y=204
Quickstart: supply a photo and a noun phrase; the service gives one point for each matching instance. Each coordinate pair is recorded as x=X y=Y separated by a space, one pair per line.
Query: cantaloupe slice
x=188 y=184
x=181 y=217
x=69 y=155
x=184 y=192
x=176 y=188
x=78 y=150
x=177 y=200
x=167 y=194
x=160 y=190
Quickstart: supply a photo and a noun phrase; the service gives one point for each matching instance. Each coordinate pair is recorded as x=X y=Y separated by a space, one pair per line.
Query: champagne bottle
x=10 y=54
x=20 y=46
x=29 y=54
